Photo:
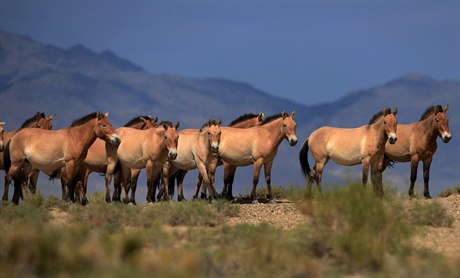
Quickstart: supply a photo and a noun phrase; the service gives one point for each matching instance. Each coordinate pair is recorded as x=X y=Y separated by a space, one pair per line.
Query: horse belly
x=47 y=162
x=184 y=162
x=348 y=157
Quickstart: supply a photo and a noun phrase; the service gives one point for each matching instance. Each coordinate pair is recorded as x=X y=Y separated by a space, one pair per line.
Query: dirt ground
x=287 y=215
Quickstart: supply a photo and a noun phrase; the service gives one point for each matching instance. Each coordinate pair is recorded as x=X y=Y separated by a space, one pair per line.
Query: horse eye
x=284 y=125
x=385 y=122
x=166 y=138
x=104 y=125
x=39 y=126
x=437 y=120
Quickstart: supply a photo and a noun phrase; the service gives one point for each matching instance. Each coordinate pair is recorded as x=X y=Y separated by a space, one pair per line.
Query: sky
x=308 y=51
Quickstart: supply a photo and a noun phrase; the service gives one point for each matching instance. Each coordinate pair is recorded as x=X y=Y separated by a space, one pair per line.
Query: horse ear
x=386 y=111
x=261 y=116
x=177 y=126
x=2 y=123
x=165 y=126
x=395 y=111
x=51 y=117
x=293 y=114
x=106 y=114
x=445 y=108
x=219 y=122
x=284 y=114
x=155 y=120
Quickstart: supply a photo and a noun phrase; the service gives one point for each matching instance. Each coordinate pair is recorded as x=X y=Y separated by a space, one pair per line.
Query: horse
x=194 y=150
x=417 y=142
x=2 y=133
x=256 y=145
x=96 y=158
x=142 y=149
x=350 y=146
x=50 y=151
x=243 y=121
x=39 y=120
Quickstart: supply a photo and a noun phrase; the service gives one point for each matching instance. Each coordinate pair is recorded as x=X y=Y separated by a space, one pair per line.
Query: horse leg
x=206 y=180
x=199 y=181
x=267 y=172
x=413 y=174
x=6 y=189
x=255 y=180
x=426 y=177
x=229 y=175
x=317 y=176
x=366 y=163
x=180 y=180
x=376 y=179
x=33 y=178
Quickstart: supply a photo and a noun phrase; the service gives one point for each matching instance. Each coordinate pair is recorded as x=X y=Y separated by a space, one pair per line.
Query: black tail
x=303 y=159
x=6 y=157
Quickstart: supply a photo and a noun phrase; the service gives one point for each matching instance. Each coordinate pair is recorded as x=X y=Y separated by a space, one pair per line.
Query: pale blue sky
x=308 y=51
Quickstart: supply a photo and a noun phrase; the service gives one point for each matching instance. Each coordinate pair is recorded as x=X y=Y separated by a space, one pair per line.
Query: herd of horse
x=91 y=144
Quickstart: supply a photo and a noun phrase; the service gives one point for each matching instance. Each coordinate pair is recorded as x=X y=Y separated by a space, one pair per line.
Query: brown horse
x=350 y=146
x=50 y=151
x=39 y=120
x=417 y=142
x=256 y=145
x=143 y=149
x=195 y=149
x=96 y=159
x=243 y=121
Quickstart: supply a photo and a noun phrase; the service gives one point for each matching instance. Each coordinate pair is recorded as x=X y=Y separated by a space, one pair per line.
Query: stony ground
x=287 y=215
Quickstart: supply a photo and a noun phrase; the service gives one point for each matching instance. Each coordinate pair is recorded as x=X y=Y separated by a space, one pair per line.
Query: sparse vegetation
x=349 y=232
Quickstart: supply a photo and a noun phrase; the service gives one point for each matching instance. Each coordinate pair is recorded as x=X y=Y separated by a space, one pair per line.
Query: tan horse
x=143 y=149
x=350 y=146
x=256 y=145
x=38 y=120
x=417 y=142
x=2 y=133
x=243 y=121
x=50 y=151
x=194 y=150
x=96 y=159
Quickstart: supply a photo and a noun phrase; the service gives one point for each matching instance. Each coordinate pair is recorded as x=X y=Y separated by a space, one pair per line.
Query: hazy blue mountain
x=76 y=81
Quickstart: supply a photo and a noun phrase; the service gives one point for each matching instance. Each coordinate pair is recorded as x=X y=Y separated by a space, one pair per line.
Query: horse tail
x=6 y=157
x=303 y=159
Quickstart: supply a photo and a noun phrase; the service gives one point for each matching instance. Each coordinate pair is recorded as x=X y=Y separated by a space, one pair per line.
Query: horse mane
x=243 y=118
x=136 y=120
x=209 y=123
x=167 y=123
x=32 y=119
x=379 y=114
x=272 y=118
x=430 y=110
x=84 y=119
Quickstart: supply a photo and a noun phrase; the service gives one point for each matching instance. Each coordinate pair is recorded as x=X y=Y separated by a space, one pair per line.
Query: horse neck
x=274 y=128
x=159 y=133
x=429 y=132
x=379 y=128
x=246 y=124
x=85 y=133
x=139 y=125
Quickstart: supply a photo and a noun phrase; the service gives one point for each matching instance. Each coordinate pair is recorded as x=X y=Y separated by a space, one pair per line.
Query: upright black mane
x=136 y=120
x=430 y=110
x=272 y=118
x=167 y=123
x=243 y=118
x=379 y=114
x=84 y=119
x=32 y=119
x=209 y=123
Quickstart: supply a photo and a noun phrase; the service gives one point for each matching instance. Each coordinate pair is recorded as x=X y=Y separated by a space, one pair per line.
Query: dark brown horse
x=39 y=120
x=350 y=146
x=53 y=151
x=417 y=142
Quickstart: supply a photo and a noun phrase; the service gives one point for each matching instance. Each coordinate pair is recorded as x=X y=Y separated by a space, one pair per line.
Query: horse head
x=104 y=129
x=214 y=133
x=390 y=123
x=288 y=128
x=441 y=123
x=171 y=137
x=149 y=122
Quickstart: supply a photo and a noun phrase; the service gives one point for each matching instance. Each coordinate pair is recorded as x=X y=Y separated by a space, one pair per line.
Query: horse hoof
x=84 y=201
x=427 y=196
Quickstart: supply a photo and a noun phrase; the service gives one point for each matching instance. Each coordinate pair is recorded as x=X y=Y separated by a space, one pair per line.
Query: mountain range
x=76 y=81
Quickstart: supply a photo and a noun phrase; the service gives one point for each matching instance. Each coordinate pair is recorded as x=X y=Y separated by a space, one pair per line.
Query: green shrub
x=430 y=213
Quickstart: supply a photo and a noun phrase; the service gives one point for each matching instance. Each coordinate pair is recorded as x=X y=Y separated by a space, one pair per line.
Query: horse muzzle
x=115 y=140
x=292 y=141
x=392 y=138
x=214 y=148
x=446 y=137
x=172 y=154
